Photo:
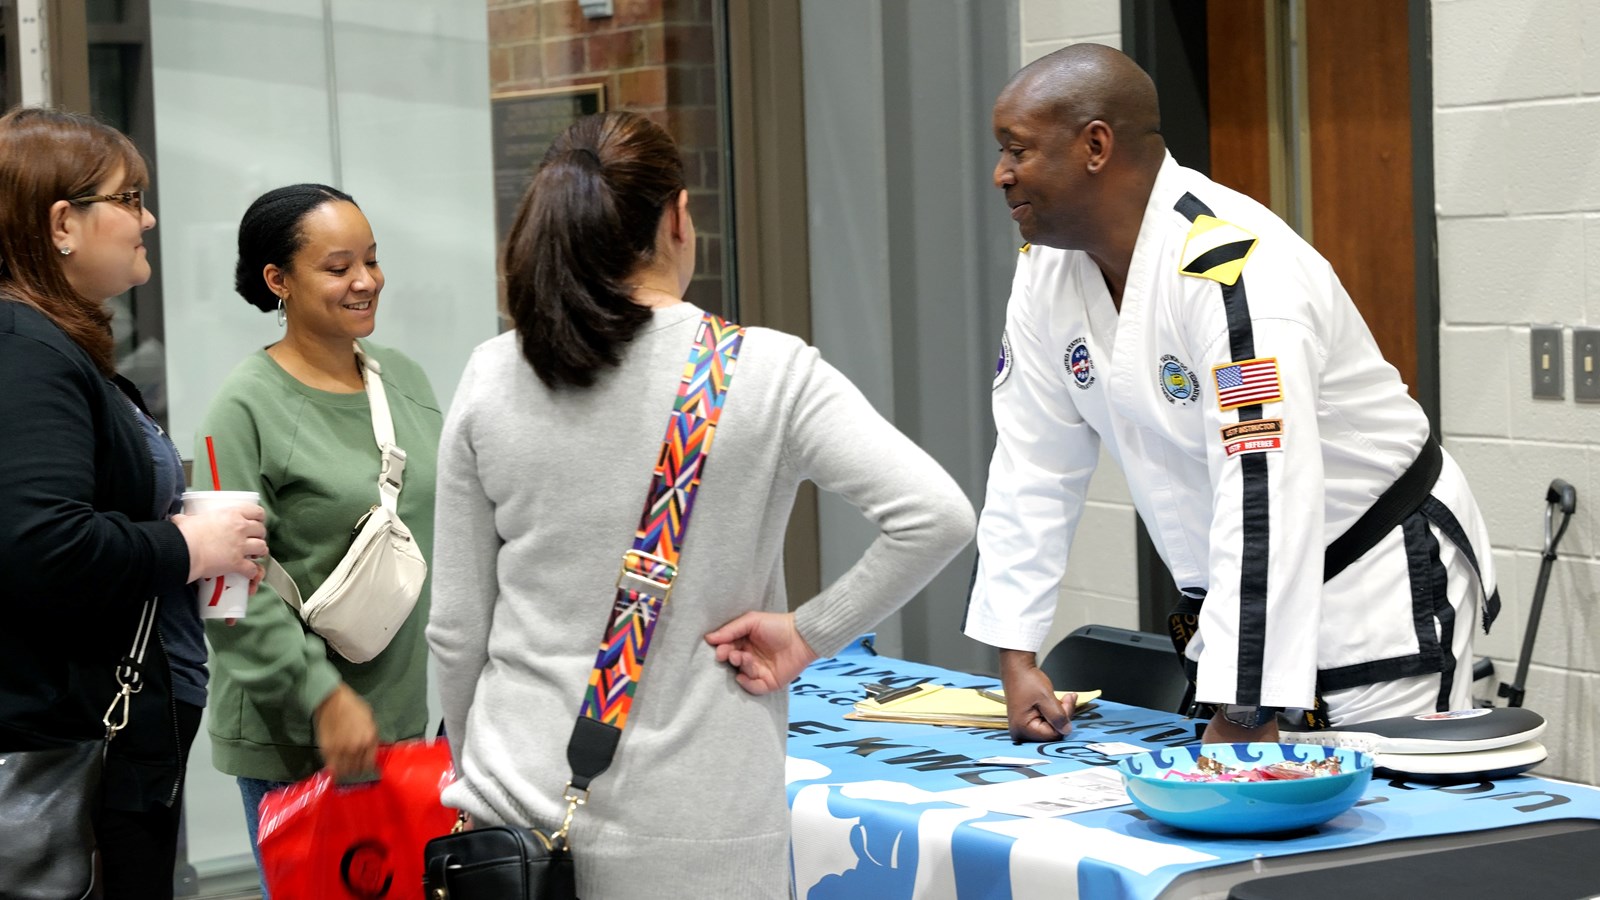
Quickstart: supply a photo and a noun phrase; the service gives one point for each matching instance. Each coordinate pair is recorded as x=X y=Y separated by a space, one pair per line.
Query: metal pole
x=1563 y=496
x=1514 y=691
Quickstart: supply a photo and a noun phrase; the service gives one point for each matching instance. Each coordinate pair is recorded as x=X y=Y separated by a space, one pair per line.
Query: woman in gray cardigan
x=547 y=450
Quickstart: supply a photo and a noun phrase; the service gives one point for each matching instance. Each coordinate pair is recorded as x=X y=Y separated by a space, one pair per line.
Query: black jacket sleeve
x=75 y=516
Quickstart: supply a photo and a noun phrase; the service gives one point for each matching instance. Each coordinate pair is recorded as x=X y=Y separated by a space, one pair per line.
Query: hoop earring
x=283 y=315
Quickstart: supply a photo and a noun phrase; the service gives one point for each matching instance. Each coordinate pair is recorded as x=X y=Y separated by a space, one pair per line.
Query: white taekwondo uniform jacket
x=1255 y=420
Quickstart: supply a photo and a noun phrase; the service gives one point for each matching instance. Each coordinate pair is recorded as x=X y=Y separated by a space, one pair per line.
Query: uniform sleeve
x=270 y=653
x=465 y=583
x=56 y=548
x=1262 y=612
x=1038 y=477
x=836 y=439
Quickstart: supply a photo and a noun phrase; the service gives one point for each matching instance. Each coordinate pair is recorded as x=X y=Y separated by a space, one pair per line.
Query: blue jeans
x=252 y=790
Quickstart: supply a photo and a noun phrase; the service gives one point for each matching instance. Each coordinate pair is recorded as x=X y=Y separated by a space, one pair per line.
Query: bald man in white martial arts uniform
x=1331 y=554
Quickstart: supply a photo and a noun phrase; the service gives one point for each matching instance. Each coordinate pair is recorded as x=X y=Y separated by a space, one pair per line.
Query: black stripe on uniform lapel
x=1255 y=530
x=1241 y=335
x=1256 y=521
x=1190 y=206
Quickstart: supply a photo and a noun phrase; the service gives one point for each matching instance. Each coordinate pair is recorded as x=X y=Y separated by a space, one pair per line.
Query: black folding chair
x=1133 y=667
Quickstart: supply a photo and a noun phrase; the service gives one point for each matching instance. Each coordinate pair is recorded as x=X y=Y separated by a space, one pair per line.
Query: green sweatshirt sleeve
x=269 y=653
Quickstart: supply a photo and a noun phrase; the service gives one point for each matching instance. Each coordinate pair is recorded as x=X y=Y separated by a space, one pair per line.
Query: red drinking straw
x=216 y=485
x=211 y=451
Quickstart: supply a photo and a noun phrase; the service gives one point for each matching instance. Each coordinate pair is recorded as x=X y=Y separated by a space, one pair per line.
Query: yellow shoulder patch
x=1216 y=250
x=1025 y=248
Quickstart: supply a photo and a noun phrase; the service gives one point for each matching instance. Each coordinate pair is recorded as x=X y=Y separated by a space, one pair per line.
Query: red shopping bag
x=326 y=841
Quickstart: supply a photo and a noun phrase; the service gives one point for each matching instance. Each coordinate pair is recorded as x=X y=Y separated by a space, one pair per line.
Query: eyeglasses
x=133 y=200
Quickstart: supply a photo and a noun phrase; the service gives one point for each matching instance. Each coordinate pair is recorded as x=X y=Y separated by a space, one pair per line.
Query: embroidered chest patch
x=1253 y=436
x=1248 y=382
x=1078 y=363
x=1178 y=383
x=1002 y=366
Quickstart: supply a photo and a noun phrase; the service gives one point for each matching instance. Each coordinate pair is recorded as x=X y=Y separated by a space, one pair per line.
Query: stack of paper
x=932 y=704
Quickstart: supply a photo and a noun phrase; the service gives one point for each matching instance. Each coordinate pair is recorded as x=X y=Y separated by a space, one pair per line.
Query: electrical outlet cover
x=1544 y=345
x=1586 y=364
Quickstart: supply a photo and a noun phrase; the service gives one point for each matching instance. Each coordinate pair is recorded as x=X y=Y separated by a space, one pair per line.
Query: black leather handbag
x=48 y=802
x=500 y=862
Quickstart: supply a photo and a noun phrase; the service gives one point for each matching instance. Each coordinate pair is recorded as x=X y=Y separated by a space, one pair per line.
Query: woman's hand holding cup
x=225 y=531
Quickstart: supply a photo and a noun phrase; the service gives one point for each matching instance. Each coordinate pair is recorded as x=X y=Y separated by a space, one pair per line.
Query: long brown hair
x=588 y=220
x=48 y=155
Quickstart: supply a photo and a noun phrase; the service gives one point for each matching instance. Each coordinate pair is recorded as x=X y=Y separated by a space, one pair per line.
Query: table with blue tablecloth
x=869 y=822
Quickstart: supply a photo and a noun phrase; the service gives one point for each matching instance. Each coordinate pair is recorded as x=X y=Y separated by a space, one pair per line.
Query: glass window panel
x=112 y=73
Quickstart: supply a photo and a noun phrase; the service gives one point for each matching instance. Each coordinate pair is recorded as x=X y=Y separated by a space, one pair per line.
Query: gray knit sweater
x=539 y=494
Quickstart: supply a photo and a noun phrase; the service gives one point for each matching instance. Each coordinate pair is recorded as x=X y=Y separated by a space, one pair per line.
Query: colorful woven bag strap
x=650 y=566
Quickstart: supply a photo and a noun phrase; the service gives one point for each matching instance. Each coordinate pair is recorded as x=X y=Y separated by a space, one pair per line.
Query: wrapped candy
x=1213 y=770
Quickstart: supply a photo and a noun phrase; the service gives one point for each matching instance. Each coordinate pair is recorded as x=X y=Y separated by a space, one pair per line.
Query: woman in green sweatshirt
x=293 y=422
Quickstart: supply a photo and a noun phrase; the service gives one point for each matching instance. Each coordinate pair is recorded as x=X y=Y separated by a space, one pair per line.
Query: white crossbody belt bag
x=369 y=594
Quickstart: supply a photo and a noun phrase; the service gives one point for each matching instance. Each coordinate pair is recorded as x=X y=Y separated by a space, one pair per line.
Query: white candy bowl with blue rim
x=1249 y=807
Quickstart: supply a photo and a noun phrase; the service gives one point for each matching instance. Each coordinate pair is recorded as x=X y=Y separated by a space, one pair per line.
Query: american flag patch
x=1246 y=383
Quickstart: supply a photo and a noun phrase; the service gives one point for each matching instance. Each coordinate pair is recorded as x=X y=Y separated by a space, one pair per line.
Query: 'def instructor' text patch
x=1254 y=436
x=1247 y=383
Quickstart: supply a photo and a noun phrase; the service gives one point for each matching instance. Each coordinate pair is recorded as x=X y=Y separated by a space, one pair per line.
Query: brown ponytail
x=588 y=219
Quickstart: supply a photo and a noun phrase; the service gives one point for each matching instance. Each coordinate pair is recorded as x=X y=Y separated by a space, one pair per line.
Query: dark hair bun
x=269 y=234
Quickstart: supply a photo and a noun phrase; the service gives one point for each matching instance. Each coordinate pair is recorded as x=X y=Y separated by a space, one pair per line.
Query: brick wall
x=1516 y=88
x=656 y=57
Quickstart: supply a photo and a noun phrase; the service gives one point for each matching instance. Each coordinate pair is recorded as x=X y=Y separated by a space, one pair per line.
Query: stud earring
x=283 y=314
x=66 y=251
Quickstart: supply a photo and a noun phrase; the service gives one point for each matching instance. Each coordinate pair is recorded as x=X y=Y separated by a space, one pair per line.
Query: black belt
x=1403 y=498
x=1406 y=496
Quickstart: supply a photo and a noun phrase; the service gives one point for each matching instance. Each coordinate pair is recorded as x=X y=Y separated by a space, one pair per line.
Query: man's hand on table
x=1221 y=731
x=1032 y=709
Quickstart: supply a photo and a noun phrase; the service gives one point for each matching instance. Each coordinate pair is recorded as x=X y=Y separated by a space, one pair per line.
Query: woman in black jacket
x=89 y=489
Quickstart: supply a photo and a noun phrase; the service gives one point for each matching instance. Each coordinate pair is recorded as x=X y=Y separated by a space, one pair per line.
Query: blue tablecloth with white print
x=868 y=821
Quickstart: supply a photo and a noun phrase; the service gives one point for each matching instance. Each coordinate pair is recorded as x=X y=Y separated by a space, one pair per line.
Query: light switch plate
x=1586 y=364
x=1544 y=344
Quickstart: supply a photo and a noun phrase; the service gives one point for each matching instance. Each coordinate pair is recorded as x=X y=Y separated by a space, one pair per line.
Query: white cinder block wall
x=1102 y=583
x=1052 y=24
x=1516 y=87
x=1517 y=177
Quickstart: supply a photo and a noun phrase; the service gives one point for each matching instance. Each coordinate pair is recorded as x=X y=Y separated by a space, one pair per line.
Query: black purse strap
x=650 y=565
x=130 y=672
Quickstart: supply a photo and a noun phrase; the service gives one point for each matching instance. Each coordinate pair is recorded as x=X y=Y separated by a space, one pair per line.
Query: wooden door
x=1357 y=92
